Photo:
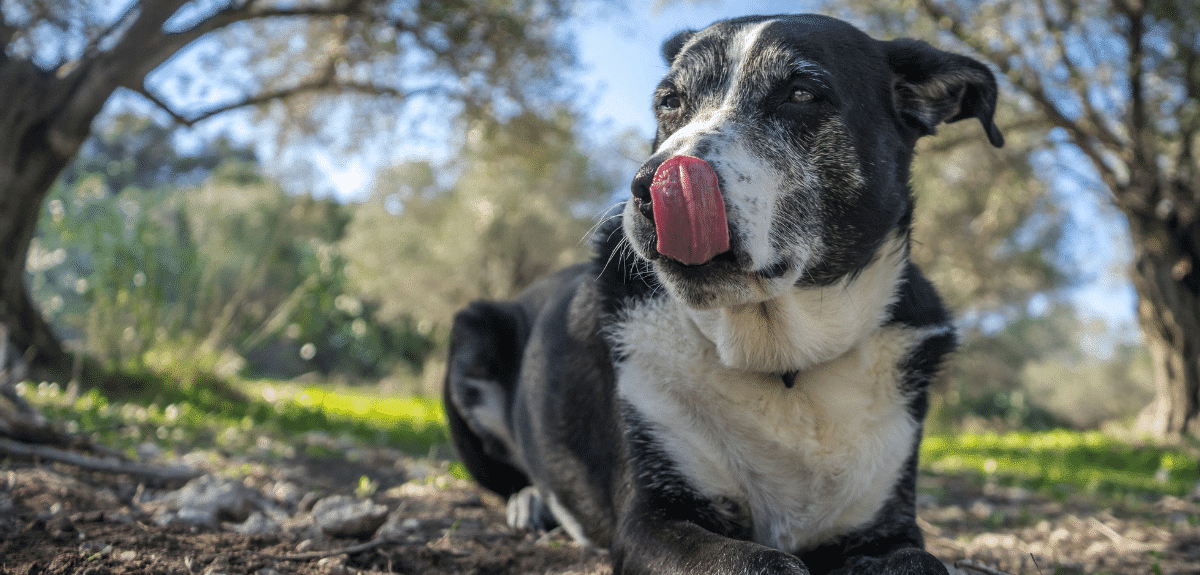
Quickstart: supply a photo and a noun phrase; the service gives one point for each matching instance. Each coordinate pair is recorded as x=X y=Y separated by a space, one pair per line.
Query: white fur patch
x=809 y=463
x=804 y=327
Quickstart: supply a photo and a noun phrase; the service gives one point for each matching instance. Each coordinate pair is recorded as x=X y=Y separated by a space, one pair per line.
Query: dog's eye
x=670 y=102
x=800 y=96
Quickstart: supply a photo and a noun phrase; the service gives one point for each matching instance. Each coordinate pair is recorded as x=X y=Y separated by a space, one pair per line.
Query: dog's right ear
x=670 y=48
x=932 y=86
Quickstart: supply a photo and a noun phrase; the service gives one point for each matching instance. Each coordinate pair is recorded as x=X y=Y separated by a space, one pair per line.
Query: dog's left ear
x=670 y=49
x=932 y=86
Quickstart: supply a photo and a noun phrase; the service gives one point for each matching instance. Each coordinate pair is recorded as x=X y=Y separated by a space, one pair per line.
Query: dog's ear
x=670 y=49
x=932 y=86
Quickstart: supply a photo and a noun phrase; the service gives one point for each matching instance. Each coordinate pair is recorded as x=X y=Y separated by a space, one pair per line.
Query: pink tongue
x=689 y=212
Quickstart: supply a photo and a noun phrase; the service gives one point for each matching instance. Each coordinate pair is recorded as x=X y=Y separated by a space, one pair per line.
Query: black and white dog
x=737 y=382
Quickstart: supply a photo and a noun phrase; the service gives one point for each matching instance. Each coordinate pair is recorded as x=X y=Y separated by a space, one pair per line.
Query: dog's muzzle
x=687 y=209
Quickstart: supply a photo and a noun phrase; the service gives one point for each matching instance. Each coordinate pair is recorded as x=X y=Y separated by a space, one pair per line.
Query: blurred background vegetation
x=190 y=257
x=146 y=257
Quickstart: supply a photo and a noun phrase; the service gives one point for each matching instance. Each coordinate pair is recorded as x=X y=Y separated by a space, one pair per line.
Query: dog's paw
x=527 y=510
x=772 y=562
x=908 y=561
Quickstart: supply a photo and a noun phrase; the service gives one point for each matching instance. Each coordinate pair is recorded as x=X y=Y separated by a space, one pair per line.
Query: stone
x=344 y=516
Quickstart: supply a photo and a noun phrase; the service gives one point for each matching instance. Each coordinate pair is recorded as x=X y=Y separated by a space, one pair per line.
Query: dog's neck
x=806 y=326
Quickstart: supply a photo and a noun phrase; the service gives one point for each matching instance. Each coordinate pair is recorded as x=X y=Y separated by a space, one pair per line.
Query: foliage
x=1035 y=374
x=513 y=205
x=62 y=62
x=983 y=228
x=233 y=273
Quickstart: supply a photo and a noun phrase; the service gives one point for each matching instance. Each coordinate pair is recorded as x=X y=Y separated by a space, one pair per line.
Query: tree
x=519 y=207
x=1119 y=83
x=61 y=61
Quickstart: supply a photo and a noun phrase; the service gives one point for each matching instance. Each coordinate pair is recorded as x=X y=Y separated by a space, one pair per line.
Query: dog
x=736 y=383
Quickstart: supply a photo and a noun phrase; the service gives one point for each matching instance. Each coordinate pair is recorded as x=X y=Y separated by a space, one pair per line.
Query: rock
x=286 y=492
x=257 y=524
x=397 y=527
x=307 y=501
x=206 y=501
x=147 y=451
x=333 y=565
x=343 y=516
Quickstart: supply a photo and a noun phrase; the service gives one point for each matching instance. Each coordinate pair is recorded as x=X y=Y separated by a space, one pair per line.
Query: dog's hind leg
x=486 y=342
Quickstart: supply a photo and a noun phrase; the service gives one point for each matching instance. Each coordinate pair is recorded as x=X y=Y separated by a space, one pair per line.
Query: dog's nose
x=641 y=189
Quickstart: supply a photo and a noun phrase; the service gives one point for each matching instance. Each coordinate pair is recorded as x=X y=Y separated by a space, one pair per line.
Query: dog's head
x=783 y=151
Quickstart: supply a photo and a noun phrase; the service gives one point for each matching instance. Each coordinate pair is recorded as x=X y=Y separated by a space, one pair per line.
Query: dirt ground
x=55 y=519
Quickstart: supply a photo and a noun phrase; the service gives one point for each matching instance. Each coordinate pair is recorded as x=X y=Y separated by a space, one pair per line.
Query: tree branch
x=93 y=45
x=154 y=472
x=1186 y=161
x=1030 y=83
x=1078 y=79
x=7 y=33
x=174 y=41
x=1139 y=122
x=320 y=84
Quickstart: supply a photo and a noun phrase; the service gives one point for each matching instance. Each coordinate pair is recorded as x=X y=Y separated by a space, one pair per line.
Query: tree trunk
x=41 y=131
x=1168 y=286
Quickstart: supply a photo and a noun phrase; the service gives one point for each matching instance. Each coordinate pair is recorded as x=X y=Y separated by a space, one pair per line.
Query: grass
x=1060 y=462
x=280 y=419
x=266 y=418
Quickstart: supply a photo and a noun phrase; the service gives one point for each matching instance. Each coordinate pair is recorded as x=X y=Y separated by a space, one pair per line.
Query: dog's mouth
x=686 y=207
x=677 y=219
x=724 y=263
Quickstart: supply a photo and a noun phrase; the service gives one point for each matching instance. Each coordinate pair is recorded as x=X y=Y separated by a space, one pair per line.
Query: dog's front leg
x=655 y=545
x=904 y=561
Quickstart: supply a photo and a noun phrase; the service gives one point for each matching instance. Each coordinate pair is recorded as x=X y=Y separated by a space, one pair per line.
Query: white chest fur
x=809 y=463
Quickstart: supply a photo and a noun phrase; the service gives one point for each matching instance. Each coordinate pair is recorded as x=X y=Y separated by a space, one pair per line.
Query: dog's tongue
x=689 y=212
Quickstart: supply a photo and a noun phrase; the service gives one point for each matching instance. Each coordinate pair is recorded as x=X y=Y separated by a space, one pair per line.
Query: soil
x=56 y=519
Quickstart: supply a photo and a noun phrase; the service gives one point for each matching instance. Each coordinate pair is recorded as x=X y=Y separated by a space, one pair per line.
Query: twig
x=1123 y=543
x=309 y=556
x=153 y=472
x=978 y=567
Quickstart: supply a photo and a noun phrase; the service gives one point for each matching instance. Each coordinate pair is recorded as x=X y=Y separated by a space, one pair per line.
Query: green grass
x=1058 y=462
x=268 y=418
x=281 y=419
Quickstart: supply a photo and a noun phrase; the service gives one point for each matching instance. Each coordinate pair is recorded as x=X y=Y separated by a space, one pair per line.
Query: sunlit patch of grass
x=180 y=417
x=1061 y=461
x=412 y=423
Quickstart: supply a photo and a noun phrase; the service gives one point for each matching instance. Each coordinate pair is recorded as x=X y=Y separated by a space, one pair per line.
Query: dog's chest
x=808 y=463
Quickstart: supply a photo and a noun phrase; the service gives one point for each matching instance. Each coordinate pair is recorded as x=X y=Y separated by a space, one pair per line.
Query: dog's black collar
x=789 y=378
